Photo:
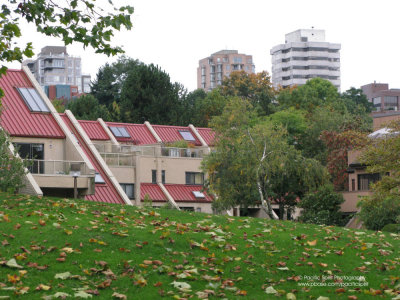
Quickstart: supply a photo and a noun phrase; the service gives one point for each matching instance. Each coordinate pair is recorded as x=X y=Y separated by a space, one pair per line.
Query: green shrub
x=12 y=169
x=395 y=228
x=322 y=207
x=147 y=201
x=379 y=210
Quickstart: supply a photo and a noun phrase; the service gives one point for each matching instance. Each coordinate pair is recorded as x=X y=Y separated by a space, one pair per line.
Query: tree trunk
x=265 y=204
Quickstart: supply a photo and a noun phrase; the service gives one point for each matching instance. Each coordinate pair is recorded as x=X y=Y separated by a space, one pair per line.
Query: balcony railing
x=181 y=152
x=118 y=154
x=119 y=159
x=58 y=167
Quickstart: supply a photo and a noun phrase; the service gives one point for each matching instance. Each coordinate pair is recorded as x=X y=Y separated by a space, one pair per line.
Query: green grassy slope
x=49 y=247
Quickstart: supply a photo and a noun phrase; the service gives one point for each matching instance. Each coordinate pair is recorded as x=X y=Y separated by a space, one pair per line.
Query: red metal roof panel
x=139 y=133
x=184 y=193
x=153 y=190
x=16 y=118
x=94 y=130
x=170 y=134
x=103 y=192
x=208 y=135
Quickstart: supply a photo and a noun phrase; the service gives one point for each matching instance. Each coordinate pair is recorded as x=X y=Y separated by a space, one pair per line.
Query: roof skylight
x=198 y=194
x=98 y=178
x=119 y=131
x=187 y=135
x=33 y=100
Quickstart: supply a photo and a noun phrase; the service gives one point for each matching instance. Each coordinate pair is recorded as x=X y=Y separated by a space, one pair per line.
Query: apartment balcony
x=61 y=173
x=119 y=159
x=182 y=152
x=124 y=155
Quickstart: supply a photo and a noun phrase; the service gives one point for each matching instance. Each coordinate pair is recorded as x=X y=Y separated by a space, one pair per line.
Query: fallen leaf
x=119 y=296
x=271 y=290
x=42 y=287
x=82 y=294
x=312 y=243
x=62 y=276
x=12 y=263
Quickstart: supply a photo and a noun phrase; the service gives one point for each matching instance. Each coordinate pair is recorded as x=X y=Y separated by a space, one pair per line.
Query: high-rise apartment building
x=305 y=55
x=213 y=69
x=54 y=66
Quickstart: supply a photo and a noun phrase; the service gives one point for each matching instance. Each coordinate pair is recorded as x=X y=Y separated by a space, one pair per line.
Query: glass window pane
x=129 y=190
x=198 y=178
x=98 y=178
x=115 y=131
x=198 y=194
x=39 y=101
x=123 y=132
x=28 y=99
x=187 y=136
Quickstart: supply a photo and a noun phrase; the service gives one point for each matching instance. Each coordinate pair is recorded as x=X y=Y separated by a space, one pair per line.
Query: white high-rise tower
x=305 y=55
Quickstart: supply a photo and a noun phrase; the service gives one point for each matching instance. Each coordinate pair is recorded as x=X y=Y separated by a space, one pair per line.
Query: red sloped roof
x=184 y=193
x=94 y=130
x=16 y=118
x=153 y=190
x=103 y=193
x=139 y=133
x=208 y=135
x=170 y=134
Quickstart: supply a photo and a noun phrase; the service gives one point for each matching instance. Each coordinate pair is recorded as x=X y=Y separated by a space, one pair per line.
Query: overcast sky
x=176 y=34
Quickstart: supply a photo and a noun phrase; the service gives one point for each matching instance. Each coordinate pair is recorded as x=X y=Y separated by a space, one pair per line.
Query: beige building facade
x=213 y=69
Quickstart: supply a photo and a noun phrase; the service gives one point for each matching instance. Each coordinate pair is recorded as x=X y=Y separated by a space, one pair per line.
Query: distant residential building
x=213 y=69
x=54 y=66
x=383 y=98
x=305 y=55
x=61 y=91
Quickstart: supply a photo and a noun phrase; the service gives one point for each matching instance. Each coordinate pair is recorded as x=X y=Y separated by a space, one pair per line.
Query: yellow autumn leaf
x=312 y=243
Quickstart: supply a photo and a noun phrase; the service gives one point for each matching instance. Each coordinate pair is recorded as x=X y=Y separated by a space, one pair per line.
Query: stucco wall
x=54 y=149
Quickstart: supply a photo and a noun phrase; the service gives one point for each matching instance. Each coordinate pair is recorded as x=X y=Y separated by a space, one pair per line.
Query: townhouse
x=359 y=180
x=102 y=161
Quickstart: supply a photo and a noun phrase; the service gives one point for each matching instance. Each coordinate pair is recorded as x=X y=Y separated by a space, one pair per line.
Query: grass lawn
x=56 y=248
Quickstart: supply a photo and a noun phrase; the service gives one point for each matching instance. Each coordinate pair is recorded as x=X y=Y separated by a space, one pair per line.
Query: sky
x=176 y=34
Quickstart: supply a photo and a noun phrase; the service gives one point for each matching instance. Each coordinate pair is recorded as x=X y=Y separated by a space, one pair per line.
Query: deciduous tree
x=254 y=165
x=256 y=88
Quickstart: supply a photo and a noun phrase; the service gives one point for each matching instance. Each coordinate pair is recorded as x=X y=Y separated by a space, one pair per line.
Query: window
x=120 y=132
x=225 y=59
x=32 y=151
x=58 y=63
x=196 y=178
x=187 y=208
x=154 y=176
x=187 y=136
x=390 y=102
x=304 y=39
x=237 y=60
x=228 y=67
x=198 y=194
x=377 y=103
x=98 y=178
x=33 y=100
x=129 y=189
x=364 y=180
